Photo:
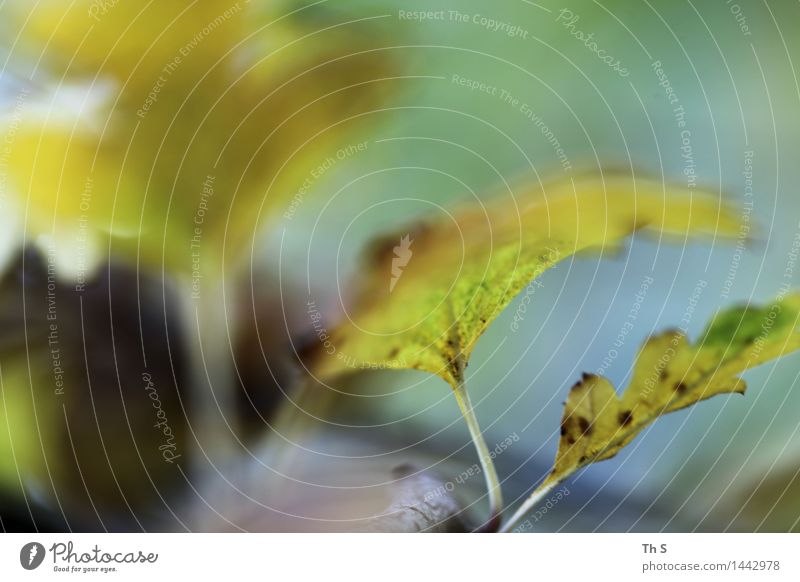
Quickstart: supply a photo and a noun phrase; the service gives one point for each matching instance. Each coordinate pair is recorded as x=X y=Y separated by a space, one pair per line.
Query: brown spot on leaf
x=625 y=417
x=586 y=426
x=381 y=250
x=681 y=388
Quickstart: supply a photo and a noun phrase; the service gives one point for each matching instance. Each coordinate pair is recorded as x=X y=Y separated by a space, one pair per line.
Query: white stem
x=529 y=504
x=487 y=464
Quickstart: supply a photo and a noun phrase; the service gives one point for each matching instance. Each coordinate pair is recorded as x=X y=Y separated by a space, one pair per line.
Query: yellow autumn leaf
x=430 y=292
x=670 y=374
x=176 y=129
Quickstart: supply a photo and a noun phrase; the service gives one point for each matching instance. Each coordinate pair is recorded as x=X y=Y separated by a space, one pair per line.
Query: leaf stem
x=487 y=464
x=531 y=502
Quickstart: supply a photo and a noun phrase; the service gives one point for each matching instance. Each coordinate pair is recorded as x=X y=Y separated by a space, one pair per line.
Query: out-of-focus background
x=463 y=99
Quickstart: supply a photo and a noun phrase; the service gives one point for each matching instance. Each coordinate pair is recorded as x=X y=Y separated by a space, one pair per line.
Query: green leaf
x=430 y=292
x=670 y=374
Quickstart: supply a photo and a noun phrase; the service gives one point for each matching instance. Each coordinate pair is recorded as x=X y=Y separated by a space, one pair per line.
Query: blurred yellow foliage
x=178 y=127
